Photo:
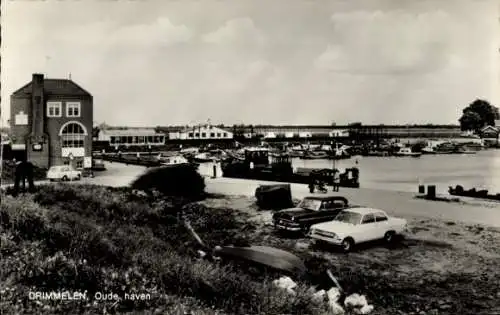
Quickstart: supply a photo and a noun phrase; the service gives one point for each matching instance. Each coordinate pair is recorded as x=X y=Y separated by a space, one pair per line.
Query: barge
x=259 y=164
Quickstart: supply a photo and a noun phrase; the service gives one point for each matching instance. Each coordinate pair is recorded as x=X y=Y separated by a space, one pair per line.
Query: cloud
x=236 y=31
x=391 y=42
x=161 y=32
x=108 y=33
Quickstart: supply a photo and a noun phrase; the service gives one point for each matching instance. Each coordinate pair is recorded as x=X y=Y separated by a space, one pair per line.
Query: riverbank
x=396 y=203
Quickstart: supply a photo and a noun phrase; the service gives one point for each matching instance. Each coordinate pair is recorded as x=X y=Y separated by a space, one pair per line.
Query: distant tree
x=477 y=115
x=471 y=121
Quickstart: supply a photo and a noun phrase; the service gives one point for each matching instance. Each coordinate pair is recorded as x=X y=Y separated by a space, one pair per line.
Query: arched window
x=73 y=136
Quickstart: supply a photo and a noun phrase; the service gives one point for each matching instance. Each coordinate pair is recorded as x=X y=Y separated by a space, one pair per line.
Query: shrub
x=178 y=181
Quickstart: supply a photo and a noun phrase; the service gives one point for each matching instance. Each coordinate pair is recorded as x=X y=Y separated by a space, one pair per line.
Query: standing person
x=312 y=183
x=336 y=180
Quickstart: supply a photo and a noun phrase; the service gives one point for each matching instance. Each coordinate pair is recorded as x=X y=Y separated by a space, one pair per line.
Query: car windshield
x=55 y=168
x=348 y=217
x=310 y=204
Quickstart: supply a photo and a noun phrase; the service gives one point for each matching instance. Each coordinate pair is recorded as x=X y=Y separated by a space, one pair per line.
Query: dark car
x=309 y=211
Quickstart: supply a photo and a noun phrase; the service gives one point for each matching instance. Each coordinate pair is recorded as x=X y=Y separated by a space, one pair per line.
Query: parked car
x=358 y=225
x=311 y=210
x=63 y=173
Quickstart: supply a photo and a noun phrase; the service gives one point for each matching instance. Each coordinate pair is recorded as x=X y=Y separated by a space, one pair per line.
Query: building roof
x=170 y=128
x=490 y=128
x=204 y=128
x=132 y=132
x=54 y=87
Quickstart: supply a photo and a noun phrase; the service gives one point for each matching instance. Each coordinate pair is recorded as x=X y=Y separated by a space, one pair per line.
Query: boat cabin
x=263 y=156
x=257 y=156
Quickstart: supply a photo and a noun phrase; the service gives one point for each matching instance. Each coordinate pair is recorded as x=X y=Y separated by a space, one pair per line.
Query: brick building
x=51 y=123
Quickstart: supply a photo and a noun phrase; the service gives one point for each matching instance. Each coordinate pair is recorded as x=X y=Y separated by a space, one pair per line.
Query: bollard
x=431 y=191
x=421 y=189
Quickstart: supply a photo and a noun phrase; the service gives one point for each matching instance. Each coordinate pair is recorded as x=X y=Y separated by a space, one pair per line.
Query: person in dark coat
x=312 y=183
x=23 y=172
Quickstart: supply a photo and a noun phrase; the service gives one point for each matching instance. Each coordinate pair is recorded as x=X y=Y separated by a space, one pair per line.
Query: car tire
x=64 y=178
x=347 y=244
x=389 y=237
x=78 y=177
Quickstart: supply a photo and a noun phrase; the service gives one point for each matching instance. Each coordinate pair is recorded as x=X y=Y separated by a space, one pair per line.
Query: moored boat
x=407 y=152
x=428 y=150
x=172 y=159
x=204 y=157
x=314 y=155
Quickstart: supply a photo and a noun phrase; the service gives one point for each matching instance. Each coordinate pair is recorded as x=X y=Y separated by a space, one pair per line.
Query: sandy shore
x=395 y=203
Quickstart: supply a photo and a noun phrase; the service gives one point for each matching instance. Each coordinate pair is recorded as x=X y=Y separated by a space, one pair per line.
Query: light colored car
x=63 y=173
x=358 y=225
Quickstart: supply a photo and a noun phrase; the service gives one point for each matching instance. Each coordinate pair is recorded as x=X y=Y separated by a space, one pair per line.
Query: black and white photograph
x=193 y=157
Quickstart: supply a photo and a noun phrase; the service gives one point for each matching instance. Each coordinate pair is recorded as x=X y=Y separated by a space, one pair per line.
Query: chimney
x=37 y=103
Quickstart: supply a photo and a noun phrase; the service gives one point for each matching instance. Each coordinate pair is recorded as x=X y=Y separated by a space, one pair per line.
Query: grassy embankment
x=83 y=237
x=93 y=238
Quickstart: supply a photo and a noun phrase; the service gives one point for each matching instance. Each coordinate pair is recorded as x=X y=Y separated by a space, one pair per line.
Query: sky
x=179 y=62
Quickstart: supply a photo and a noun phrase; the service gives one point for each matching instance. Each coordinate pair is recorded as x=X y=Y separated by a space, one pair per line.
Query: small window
x=190 y=135
x=197 y=135
x=54 y=109
x=203 y=135
x=379 y=217
x=79 y=164
x=218 y=135
x=212 y=134
x=65 y=163
x=73 y=109
x=368 y=218
x=224 y=135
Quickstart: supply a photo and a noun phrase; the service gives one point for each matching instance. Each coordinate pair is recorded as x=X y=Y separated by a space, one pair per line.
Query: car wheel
x=78 y=177
x=347 y=244
x=389 y=237
x=64 y=178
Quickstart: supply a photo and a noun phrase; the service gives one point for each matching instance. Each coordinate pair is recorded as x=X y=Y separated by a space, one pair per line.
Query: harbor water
x=480 y=171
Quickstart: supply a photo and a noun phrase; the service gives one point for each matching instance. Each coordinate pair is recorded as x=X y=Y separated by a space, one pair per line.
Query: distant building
x=339 y=133
x=131 y=137
x=205 y=132
x=270 y=135
x=490 y=132
x=51 y=122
